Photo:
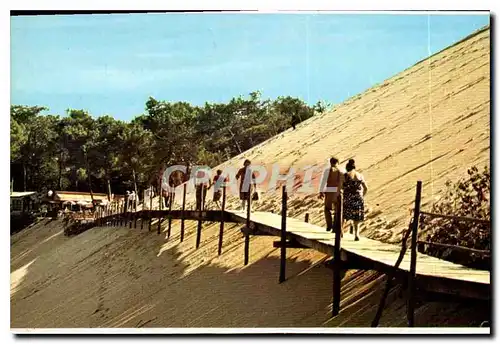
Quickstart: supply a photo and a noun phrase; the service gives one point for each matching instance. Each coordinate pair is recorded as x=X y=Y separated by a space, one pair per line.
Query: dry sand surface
x=430 y=122
x=120 y=277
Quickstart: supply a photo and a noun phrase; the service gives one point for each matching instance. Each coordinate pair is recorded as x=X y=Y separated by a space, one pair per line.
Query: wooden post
x=390 y=277
x=150 y=207
x=135 y=211
x=247 y=232
x=413 y=262
x=202 y=208
x=160 y=207
x=142 y=213
x=306 y=220
x=337 y=264
x=221 y=230
x=118 y=214
x=282 y=277
x=182 y=211
x=130 y=213
x=170 y=201
x=122 y=215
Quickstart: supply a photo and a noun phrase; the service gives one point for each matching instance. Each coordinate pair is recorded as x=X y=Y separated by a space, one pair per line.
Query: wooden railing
x=413 y=230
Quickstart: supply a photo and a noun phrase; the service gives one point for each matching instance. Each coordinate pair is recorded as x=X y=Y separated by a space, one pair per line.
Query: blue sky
x=111 y=64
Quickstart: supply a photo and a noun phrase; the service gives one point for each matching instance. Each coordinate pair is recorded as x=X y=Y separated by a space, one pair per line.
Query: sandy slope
x=430 y=122
x=398 y=132
x=109 y=277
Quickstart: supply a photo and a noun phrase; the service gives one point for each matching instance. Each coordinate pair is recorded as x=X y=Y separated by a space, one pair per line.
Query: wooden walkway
x=437 y=274
x=433 y=274
x=418 y=272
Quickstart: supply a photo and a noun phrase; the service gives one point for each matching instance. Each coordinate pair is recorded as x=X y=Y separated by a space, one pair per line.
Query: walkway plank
x=433 y=274
x=370 y=249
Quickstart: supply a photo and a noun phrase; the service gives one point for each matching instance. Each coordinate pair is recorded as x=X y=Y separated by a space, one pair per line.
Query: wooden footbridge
x=416 y=271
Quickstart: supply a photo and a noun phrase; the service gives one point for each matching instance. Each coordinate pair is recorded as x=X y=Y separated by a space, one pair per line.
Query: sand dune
x=117 y=277
x=429 y=122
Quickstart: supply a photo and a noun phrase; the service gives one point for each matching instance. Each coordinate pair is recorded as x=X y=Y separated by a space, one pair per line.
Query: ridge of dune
x=121 y=277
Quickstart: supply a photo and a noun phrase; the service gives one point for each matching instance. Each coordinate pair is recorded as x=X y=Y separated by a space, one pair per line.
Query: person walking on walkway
x=217 y=190
x=354 y=193
x=201 y=190
x=333 y=178
x=242 y=174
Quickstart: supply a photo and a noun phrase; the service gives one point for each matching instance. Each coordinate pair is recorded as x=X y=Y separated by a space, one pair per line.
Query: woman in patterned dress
x=354 y=192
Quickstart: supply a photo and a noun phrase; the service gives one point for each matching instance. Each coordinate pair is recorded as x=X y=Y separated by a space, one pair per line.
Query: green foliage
x=81 y=152
x=469 y=197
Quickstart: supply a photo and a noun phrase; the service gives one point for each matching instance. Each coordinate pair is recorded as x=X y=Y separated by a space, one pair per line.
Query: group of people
x=336 y=183
x=245 y=194
x=130 y=200
x=202 y=189
x=352 y=186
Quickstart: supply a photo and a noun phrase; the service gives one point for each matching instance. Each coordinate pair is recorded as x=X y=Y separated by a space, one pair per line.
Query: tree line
x=79 y=152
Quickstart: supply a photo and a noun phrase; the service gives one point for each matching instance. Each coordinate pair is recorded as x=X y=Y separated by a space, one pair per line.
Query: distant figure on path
x=354 y=192
x=126 y=199
x=295 y=121
x=334 y=178
x=201 y=190
x=132 y=199
x=245 y=195
x=217 y=192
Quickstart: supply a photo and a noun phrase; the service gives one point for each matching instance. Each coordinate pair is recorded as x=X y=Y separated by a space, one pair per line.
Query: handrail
x=453 y=217
x=390 y=276
x=463 y=248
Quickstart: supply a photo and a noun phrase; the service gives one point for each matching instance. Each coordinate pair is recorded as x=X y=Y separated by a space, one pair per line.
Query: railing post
x=110 y=214
x=122 y=216
x=221 y=230
x=142 y=211
x=183 y=209
x=129 y=214
x=390 y=277
x=413 y=262
x=118 y=211
x=117 y=206
x=337 y=264
x=135 y=211
x=247 y=231
x=200 y=212
x=170 y=201
x=150 y=207
x=160 y=207
x=284 y=196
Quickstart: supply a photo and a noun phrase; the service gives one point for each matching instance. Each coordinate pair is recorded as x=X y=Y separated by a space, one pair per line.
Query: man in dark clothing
x=334 y=178
x=242 y=174
x=217 y=192
x=201 y=190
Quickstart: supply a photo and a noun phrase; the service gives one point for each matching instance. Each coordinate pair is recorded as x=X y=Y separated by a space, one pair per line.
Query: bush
x=468 y=197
